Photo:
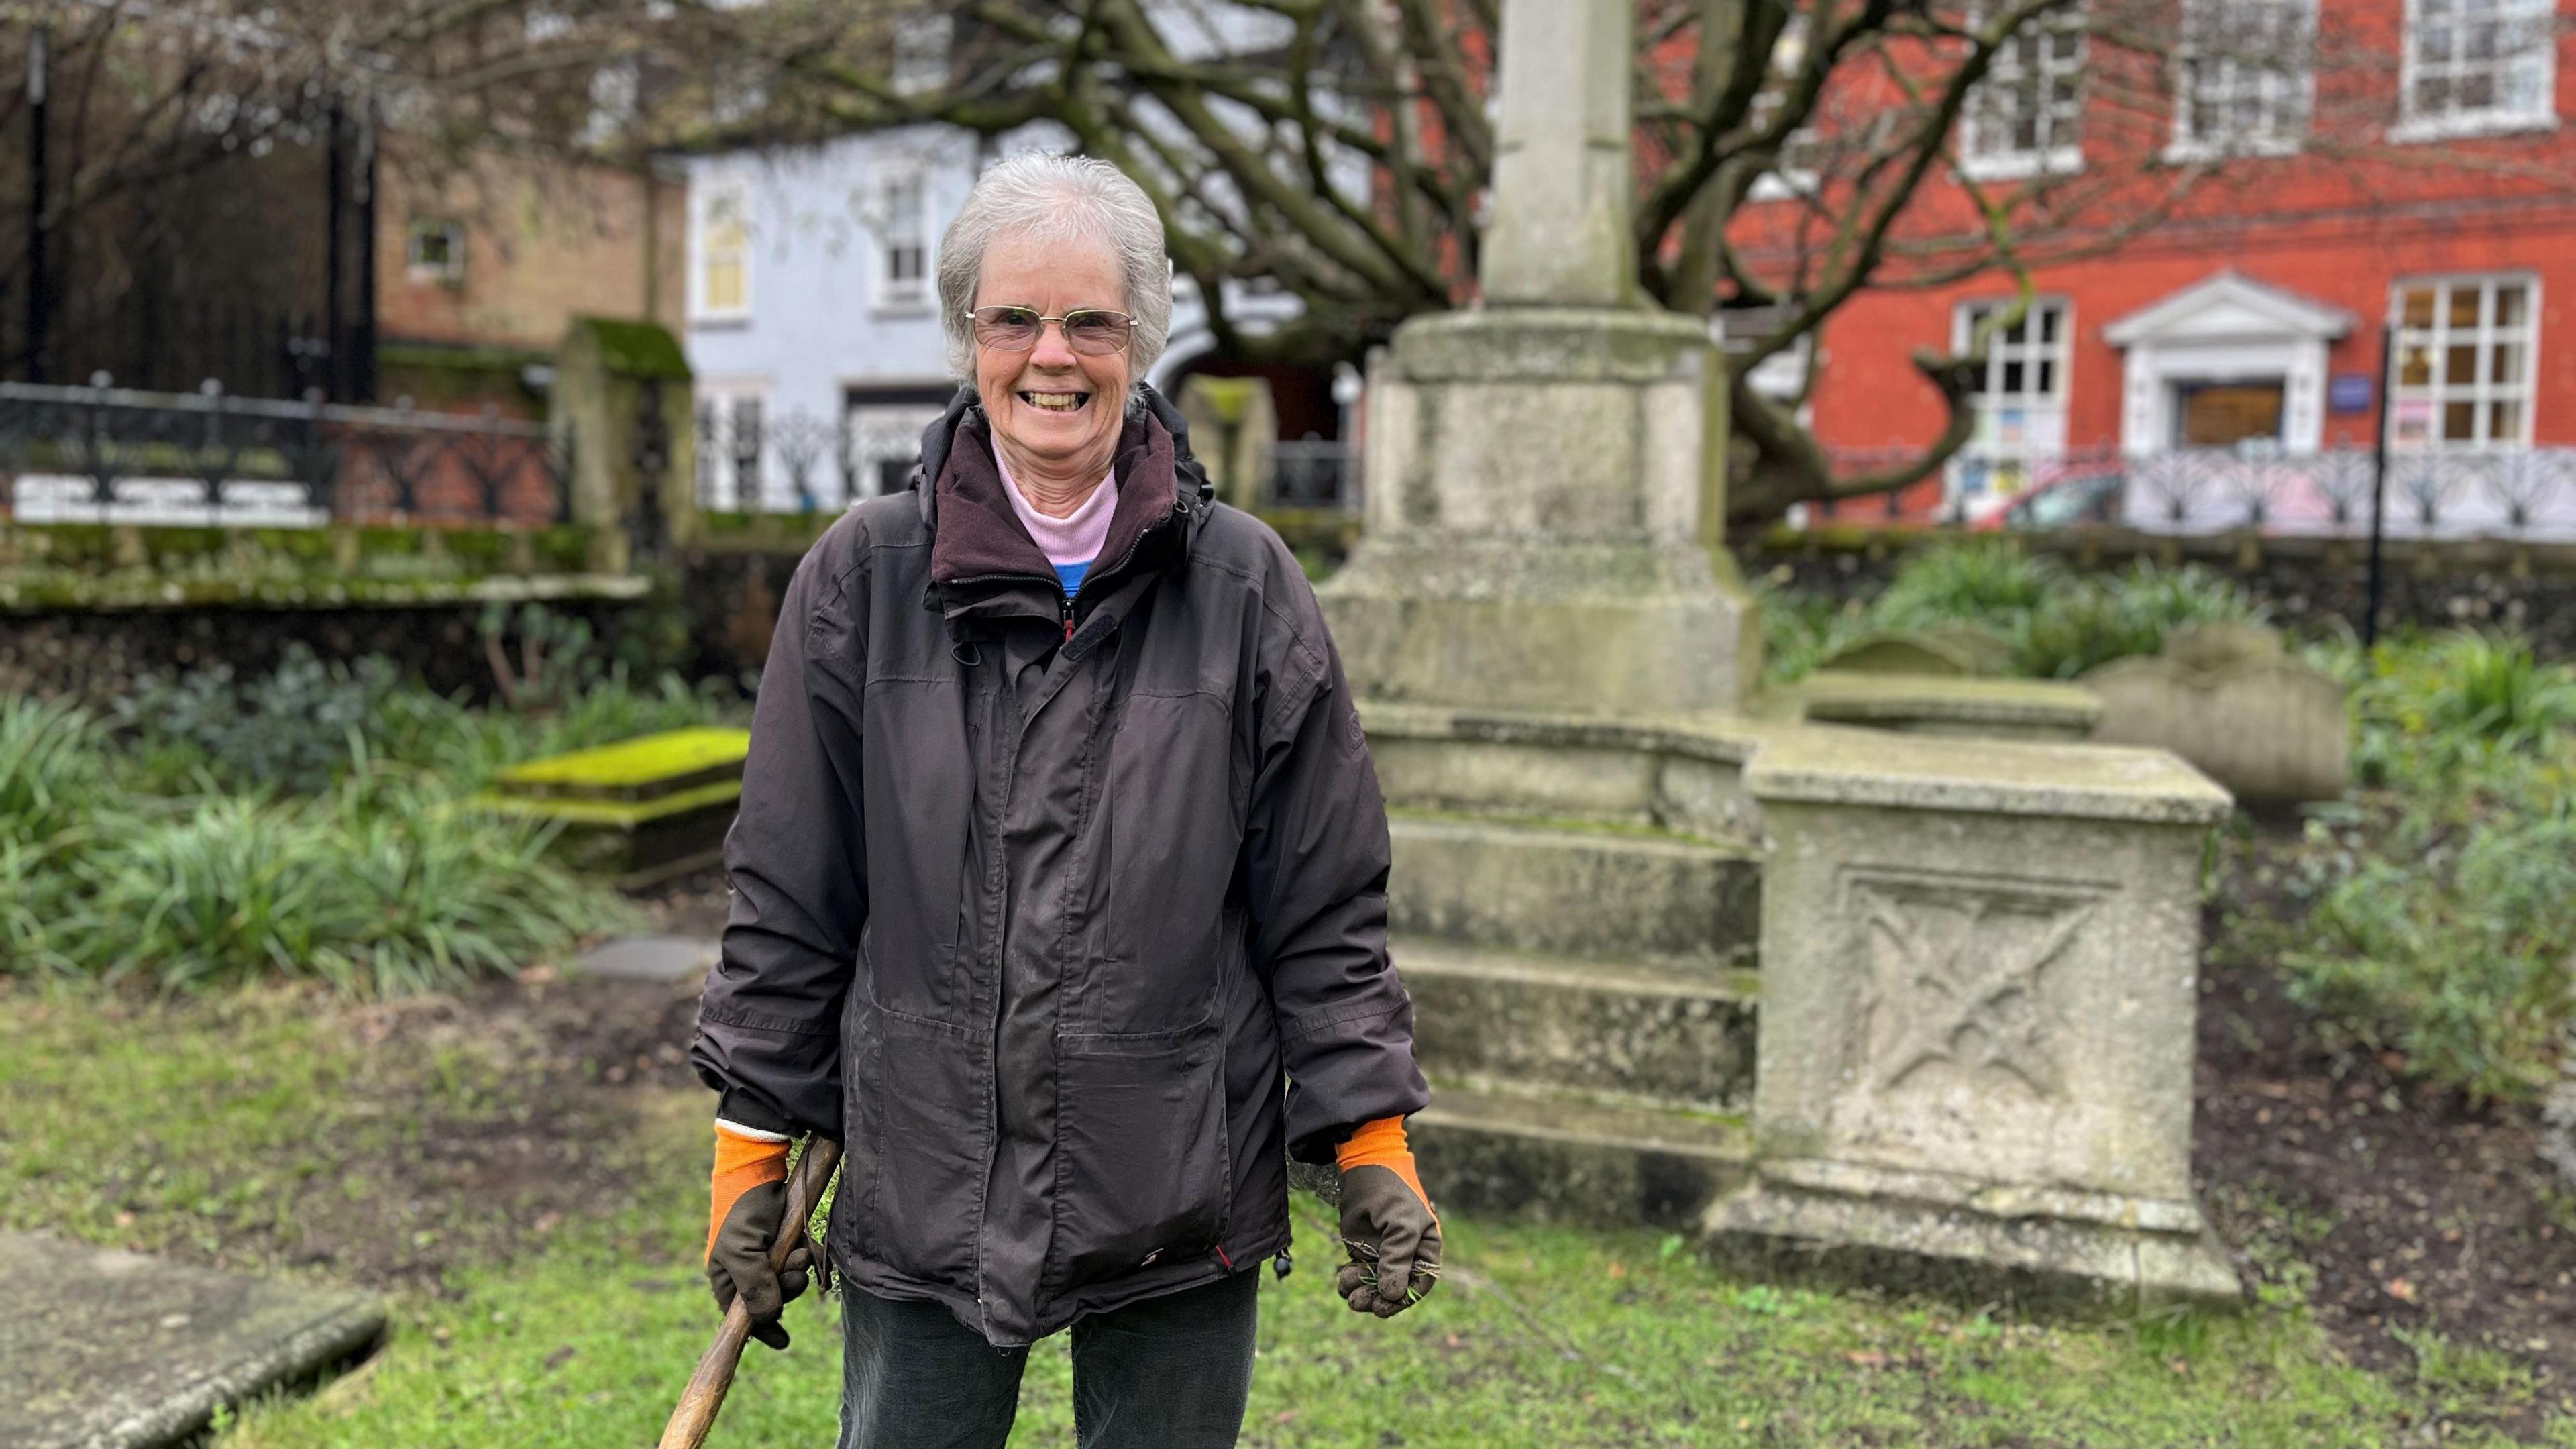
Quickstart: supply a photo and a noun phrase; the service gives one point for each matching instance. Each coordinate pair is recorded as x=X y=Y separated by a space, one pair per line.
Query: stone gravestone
x=1673 y=951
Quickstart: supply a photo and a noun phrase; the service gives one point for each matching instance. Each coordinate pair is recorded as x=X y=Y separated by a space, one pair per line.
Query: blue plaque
x=2349 y=392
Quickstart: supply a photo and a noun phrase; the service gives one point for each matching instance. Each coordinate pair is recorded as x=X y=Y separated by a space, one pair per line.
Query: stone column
x=1540 y=468
x=1562 y=174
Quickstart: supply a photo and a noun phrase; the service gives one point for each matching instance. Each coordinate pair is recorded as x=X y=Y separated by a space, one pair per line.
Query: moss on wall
x=59 y=566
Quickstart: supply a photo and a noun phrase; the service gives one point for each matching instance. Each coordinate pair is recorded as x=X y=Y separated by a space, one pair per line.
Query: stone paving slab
x=101 y=1349
x=647 y=958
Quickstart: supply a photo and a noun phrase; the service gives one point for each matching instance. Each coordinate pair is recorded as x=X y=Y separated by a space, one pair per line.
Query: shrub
x=2446 y=927
x=2060 y=624
x=291 y=729
x=2458 y=963
x=300 y=728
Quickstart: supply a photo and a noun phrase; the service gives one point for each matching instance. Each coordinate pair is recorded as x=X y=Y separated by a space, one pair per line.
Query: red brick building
x=2421 y=173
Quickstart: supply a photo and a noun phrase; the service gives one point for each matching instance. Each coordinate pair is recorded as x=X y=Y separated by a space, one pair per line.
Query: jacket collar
x=978 y=545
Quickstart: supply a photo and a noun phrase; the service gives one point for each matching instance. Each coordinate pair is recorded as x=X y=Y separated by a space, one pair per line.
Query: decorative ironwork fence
x=2510 y=493
x=754 y=460
x=108 y=455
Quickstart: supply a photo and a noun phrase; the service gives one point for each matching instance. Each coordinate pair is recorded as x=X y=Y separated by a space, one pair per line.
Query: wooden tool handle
x=706 y=1391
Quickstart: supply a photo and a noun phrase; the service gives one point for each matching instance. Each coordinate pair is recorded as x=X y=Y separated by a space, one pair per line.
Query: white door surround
x=2225 y=329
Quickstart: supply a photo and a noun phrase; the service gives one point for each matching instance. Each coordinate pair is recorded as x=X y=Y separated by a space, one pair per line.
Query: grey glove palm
x=1394 y=1242
x=739 y=1262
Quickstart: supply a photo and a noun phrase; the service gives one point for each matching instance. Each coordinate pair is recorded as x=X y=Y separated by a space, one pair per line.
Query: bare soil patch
x=2414 y=1224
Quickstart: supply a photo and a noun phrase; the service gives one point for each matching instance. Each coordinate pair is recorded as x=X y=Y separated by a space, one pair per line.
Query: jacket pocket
x=917 y=1145
x=1172 y=839
x=1143 y=1161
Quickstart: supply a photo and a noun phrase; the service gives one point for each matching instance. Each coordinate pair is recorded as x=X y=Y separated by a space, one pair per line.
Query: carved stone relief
x=1963 y=970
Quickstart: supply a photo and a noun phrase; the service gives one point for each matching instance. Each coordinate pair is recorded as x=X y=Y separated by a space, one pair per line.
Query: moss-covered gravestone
x=641 y=810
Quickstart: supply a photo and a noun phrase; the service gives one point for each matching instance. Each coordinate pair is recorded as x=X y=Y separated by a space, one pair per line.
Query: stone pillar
x=622 y=394
x=1234 y=430
x=1542 y=471
x=1562 y=175
x=1979 y=975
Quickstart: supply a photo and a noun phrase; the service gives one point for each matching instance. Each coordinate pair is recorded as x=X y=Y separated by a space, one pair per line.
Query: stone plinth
x=1538 y=480
x=1979 y=974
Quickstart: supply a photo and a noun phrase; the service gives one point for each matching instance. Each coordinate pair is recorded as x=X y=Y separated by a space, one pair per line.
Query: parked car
x=2058 y=503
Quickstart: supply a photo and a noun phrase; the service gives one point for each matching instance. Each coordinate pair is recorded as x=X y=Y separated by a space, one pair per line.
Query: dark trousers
x=1168 y=1373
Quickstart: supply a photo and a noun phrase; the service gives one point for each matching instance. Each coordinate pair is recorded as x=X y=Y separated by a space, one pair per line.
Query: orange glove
x=746 y=1197
x=1387 y=1223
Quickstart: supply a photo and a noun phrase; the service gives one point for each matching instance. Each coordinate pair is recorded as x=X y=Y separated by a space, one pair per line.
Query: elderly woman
x=1059 y=887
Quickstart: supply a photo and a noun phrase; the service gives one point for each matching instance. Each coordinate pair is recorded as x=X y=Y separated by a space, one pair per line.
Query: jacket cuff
x=747 y=1109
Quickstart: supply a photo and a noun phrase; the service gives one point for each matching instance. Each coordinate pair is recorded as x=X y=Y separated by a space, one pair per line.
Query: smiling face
x=1055 y=411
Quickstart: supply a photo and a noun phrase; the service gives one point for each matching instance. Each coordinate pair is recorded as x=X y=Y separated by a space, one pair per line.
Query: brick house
x=481 y=261
x=2424 y=179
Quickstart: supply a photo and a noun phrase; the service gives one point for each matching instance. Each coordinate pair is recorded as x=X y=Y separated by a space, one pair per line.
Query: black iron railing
x=1315 y=473
x=111 y=455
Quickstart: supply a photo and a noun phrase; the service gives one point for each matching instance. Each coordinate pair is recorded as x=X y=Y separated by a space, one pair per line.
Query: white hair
x=1040 y=194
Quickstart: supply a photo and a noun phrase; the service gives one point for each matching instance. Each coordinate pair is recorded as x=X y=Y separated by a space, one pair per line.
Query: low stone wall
x=2307 y=585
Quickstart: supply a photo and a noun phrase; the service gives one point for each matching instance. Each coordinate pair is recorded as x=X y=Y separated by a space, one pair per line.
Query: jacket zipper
x=1064 y=610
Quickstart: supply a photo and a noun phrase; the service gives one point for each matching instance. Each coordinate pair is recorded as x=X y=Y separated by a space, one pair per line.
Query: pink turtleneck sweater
x=1070 y=543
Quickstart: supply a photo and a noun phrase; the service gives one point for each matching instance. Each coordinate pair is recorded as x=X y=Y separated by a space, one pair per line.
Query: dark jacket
x=1035 y=902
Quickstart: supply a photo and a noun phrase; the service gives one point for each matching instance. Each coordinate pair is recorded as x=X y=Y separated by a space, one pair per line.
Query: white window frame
x=2038 y=447
x=2539 y=111
x=2285 y=95
x=448 y=273
x=1979 y=159
x=702 y=250
x=734 y=403
x=2480 y=392
x=899 y=235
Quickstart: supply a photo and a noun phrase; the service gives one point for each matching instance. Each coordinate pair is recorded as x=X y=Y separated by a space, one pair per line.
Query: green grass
x=1540 y=1337
x=286 y=1129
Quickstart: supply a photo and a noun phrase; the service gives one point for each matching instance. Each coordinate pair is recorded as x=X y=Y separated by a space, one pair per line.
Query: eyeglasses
x=1093 y=330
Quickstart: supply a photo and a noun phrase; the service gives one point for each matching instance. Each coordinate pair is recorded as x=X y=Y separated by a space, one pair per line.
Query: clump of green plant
x=384 y=885
x=2444 y=904
x=53 y=767
x=2058 y=623
x=291 y=729
x=2455 y=957
x=2093 y=621
x=1989 y=582
x=297 y=729
x=306 y=823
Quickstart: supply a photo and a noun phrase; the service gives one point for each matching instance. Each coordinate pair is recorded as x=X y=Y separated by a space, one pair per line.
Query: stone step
x=1572 y=890
x=1565 y=1159
x=1629 y=1029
